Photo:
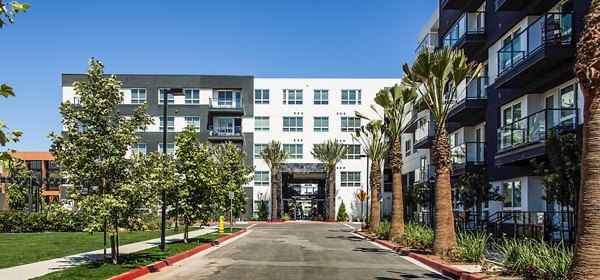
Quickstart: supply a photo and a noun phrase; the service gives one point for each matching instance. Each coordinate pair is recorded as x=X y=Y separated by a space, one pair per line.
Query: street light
x=431 y=182
x=163 y=218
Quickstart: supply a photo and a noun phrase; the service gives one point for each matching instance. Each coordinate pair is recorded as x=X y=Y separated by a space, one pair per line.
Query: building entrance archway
x=302 y=191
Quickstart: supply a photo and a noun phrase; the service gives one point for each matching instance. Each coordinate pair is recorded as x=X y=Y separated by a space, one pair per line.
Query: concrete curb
x=138 y=272
x=443 y=268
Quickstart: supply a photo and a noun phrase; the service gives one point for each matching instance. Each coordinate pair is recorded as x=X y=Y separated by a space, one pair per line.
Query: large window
x=170 y=148
x=292 y=96
x=161 y=96
x=351 y=96
x=512 y=194
x=350 y=124
x=321 y=96
x=195 y=121
x=292 y=124
x=138 y=148
x=192 y=95
x=261 y=96
x=321 y=124
x=295 y=150
x=170 y=123
x=257 y=149
x=353 y=151
x=511 y=114
x=261 y=178
x=408 y=147
x=261 y=123
x=138 y=95
x=350 y=179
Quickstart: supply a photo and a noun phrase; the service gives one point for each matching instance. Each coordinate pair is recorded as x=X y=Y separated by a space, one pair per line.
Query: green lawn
x=104 y=270
x=24 y=248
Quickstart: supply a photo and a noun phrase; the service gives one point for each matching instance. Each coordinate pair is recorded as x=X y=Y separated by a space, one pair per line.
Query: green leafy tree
x=92 y=150
x=9 y=9
x=263 y=211
x=233 y=175
x=435 y=76
x=330 y=153
x=342 y=216
x=274 y=155
x=18 y=193
x=472 y=190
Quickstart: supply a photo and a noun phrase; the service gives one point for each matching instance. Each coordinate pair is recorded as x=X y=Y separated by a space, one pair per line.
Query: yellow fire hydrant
x=221 y=224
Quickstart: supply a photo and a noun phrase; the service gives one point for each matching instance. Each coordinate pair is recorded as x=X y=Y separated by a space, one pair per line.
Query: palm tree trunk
x=375 y=186
x=274 y=197
x=397 y=226
x=331 y=196
x=445 y=236
x=587 y=249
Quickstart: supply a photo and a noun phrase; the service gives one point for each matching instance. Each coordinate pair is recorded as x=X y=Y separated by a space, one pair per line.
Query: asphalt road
x=296 y=251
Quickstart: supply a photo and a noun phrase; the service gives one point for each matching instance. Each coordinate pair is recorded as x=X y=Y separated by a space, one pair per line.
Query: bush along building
x=502 y=119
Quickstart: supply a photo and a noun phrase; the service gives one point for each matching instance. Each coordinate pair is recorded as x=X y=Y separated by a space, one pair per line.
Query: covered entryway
x=302 y=191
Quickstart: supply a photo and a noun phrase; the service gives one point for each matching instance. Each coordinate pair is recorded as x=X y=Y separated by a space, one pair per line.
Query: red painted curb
x=138 y=272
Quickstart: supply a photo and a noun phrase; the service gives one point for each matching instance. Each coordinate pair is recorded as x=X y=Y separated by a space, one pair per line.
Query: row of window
x=296 y=124
x=320 y=96
x=141 y=148
x=296 y=151
x=195 y=121
x=139 y=96
x=347 y=178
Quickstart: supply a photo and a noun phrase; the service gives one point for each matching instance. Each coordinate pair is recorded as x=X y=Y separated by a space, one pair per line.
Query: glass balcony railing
x=77 y=102
x=425 y=128
x=533 y=128
x=430 y=42
x=476 y=89
x=468 y=153
x=423 y=174
x=469 y=23
x=225 y=103
x=225 y=131
x=549 y=29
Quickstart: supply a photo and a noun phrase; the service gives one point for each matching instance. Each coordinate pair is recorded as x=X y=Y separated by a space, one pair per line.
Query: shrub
x=382 y=230
x=263 y=214
x=52 y=219
x=318 y=217
x=342 y=216
x=471 y=245
x=417 y=236
x=535 y=259
x=286 y=217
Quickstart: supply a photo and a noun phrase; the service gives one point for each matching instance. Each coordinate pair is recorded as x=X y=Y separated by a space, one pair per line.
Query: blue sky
x=264 y=38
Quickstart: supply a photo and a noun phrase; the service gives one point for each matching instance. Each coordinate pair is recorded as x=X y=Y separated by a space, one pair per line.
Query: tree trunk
x=274 y=197
x=397 y=225
x=185 y=232
x=587 y=249
x=113 y=256
x=375 y=186
x=331 y=196
x=445 y=235
x=562 y=222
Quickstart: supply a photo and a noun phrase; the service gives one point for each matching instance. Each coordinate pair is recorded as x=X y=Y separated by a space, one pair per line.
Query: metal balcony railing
x=225 y=103
x=549 y=29
x=476 y=89
x=430 y=42
x=225 y=131
x=468 y=153
x=423 y=174
x=425 y=128
x=533 y=128
x=469 y=23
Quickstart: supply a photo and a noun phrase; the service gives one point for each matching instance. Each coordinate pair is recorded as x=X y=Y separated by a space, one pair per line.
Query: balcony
x=429 y=43
x=468 y=33
x=537 y=6
x=468 y=157
x=227 y=133
x=226 y=105
x=468 y=5
x=469 y=107
x=423 y=174
x=542 y=47
x=77 y=102
x=524 y=139
x=424 y=133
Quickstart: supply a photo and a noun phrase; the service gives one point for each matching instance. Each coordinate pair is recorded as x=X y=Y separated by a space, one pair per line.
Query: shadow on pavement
x=343 y=237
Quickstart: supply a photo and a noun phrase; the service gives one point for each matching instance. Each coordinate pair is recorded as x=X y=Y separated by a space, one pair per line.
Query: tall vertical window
x=138 y=95
x=408 y=147
x=192 y=95
x=511 y=114
x=261 y=96
x=138 y=148
x=195 y=121
x=261 y=178
x=170 y=123
x=261 y=123
x=350 y=124
x=170 y=148
x=292 y=96
x=161 y=96
x=321 y=124
x=321 y=97
x=351 y=96
x=512 y=194
x=353 y=151
x=350 y=178
x=295 y=150
x=292 y=124
x=257 y=149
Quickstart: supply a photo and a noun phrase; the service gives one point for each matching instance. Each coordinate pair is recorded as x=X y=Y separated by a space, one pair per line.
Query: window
x=292 y=96
x=261 y=178
x=261 y=96
x=170 y=124
x=195 y=121
x=138 y=95
x=321 y=97
x=161 y=96
x=349 y=124
x=261 y=123
x=192 y=95
x=408 y=147
x=292 y=124
x=353 y=151
x=321 y=124
x=295 y=150
x=257 y=149
x=350 y=179
x=511 y=114
x=138 y=148
x=170 y=148
x=351 y=97
x=512 y=194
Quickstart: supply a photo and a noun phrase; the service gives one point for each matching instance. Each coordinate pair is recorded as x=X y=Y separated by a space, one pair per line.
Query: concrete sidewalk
x=28 y=271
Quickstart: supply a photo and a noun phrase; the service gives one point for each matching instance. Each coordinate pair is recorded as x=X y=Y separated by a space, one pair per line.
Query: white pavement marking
x=349 y=226
x=251 y=226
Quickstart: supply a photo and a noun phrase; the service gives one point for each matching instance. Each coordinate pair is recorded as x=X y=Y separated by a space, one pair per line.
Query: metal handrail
x=462 y=27
x=226 y=131
x=468 y=153
x=429 y=42
x=476 y=89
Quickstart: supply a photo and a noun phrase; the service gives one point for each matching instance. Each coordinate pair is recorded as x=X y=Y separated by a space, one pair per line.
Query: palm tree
x=375 y=145
x=330 y=153
x=396 y=103
x=435 y=76
x=587 y=249
x=274 y=155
